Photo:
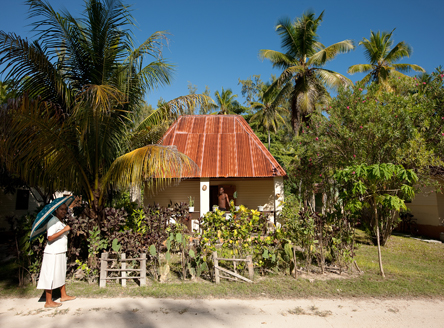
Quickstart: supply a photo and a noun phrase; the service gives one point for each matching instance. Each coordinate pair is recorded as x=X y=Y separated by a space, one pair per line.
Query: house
x=229 y=155
x=19 y=203
x=428 y=209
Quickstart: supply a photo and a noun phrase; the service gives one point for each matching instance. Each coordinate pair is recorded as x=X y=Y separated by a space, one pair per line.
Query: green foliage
x=28 y=255
x=83 y=271
x=325 y=238
x=382 y=188
x=137 y=222
x=97 y=109
x=367 y=126
x=243 y=233
x=383 y=56
x=303 y=82
x=123 y=200
x=115 y=246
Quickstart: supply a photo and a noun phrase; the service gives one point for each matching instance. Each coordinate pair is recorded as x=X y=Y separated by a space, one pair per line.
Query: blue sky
x=216 y=42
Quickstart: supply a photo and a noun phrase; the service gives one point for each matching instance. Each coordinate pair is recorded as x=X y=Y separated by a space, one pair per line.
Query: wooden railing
x=123 y=271
x=218 y=270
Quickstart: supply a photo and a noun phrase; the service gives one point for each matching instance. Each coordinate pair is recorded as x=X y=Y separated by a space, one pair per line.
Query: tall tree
x=227 y=103
x=382 y=56
x=82 y=85
x=269 y=114
x=304 y=80
x=251 y=88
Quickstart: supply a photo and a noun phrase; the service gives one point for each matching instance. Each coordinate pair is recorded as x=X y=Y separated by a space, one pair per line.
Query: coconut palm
x=303 y=81
x=227 y=103
x=82 y=87
x=269 y=115
x=382 y=56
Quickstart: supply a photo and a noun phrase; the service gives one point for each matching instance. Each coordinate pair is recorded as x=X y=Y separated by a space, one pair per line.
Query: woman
x=53 y=272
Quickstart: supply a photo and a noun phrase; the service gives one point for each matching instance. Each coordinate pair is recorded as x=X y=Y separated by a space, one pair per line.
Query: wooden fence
x=219 y=271
x=123 y=271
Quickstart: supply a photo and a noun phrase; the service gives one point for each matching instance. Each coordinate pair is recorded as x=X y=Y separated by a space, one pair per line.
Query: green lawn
x=413 y=269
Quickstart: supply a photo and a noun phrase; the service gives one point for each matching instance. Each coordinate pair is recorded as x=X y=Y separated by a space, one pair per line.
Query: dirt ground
x=150 y=312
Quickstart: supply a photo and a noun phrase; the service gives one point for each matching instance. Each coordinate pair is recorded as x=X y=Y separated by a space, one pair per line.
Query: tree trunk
x=377 y=238
x=295 y=116
x=136 y=194
x=268 y=140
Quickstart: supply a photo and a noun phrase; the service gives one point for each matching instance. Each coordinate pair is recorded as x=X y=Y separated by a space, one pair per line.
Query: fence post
x=216 y=265
x=250 y=267
x=143 y=270
x=103 y=269
x=123 y=264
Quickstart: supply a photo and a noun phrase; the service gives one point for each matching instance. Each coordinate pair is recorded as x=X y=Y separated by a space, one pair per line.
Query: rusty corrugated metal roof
x=222 y=146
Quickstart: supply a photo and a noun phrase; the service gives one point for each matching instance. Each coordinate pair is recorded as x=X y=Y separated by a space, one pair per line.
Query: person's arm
x=58 y=234
x=228 y=201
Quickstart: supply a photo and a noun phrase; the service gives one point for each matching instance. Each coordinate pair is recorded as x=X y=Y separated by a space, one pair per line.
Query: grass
x=413 y=269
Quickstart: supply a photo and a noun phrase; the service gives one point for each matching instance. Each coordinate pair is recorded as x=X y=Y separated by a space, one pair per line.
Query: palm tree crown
x=82 y=86
x=226 y=102
x=269 y=115
x=303 y=80
x=382 y=56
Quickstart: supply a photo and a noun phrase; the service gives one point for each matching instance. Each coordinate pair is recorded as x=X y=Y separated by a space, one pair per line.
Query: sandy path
x=149 y=312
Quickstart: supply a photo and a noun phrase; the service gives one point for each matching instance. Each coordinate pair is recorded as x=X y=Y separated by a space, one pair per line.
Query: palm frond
x=407 y=68
x=398 y=52
x=42 y=146
x=278 y=59
x=27 y=65
x=360 y=68
x=321 y=57
x=332 y=79
x=172 y=109
x=158 y=165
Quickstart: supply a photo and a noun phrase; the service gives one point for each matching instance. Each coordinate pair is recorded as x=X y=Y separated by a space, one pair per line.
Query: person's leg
x=65 y=297
x=49 y=302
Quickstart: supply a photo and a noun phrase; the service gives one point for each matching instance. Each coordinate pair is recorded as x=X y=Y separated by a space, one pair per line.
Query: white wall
x=424 y=207
x=279 y=192
x=177 y=194
x=251 y=192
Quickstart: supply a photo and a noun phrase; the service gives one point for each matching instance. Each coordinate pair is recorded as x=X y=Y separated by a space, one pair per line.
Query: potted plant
x=260 y=208
x=215 y=208
x=191 y=204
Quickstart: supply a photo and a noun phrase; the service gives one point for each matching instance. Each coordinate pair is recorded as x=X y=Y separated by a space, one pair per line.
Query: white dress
x=53 y=271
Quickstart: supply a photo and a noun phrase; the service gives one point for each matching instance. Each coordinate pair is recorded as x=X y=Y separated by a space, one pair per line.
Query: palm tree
x=303 y=81
x=269 y=115
x=82 y=86
x=382 y=56
x=226 y=102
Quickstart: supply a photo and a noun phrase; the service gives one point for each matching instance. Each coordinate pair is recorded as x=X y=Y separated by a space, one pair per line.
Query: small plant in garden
x=309 y=236
x=191 y=202
x=381 y=188
x=138 y=221
x=84 y=272
x=95 y=245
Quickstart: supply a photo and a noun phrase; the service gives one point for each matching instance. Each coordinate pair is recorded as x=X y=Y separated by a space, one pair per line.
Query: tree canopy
x=304 y=80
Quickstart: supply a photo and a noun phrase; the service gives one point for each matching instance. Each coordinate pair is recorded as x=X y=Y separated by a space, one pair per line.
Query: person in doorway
x=53 y=272
x=223 y=200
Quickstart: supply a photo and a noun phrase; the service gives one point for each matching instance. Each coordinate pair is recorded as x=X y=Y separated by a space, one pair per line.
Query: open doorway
x=214 y=192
